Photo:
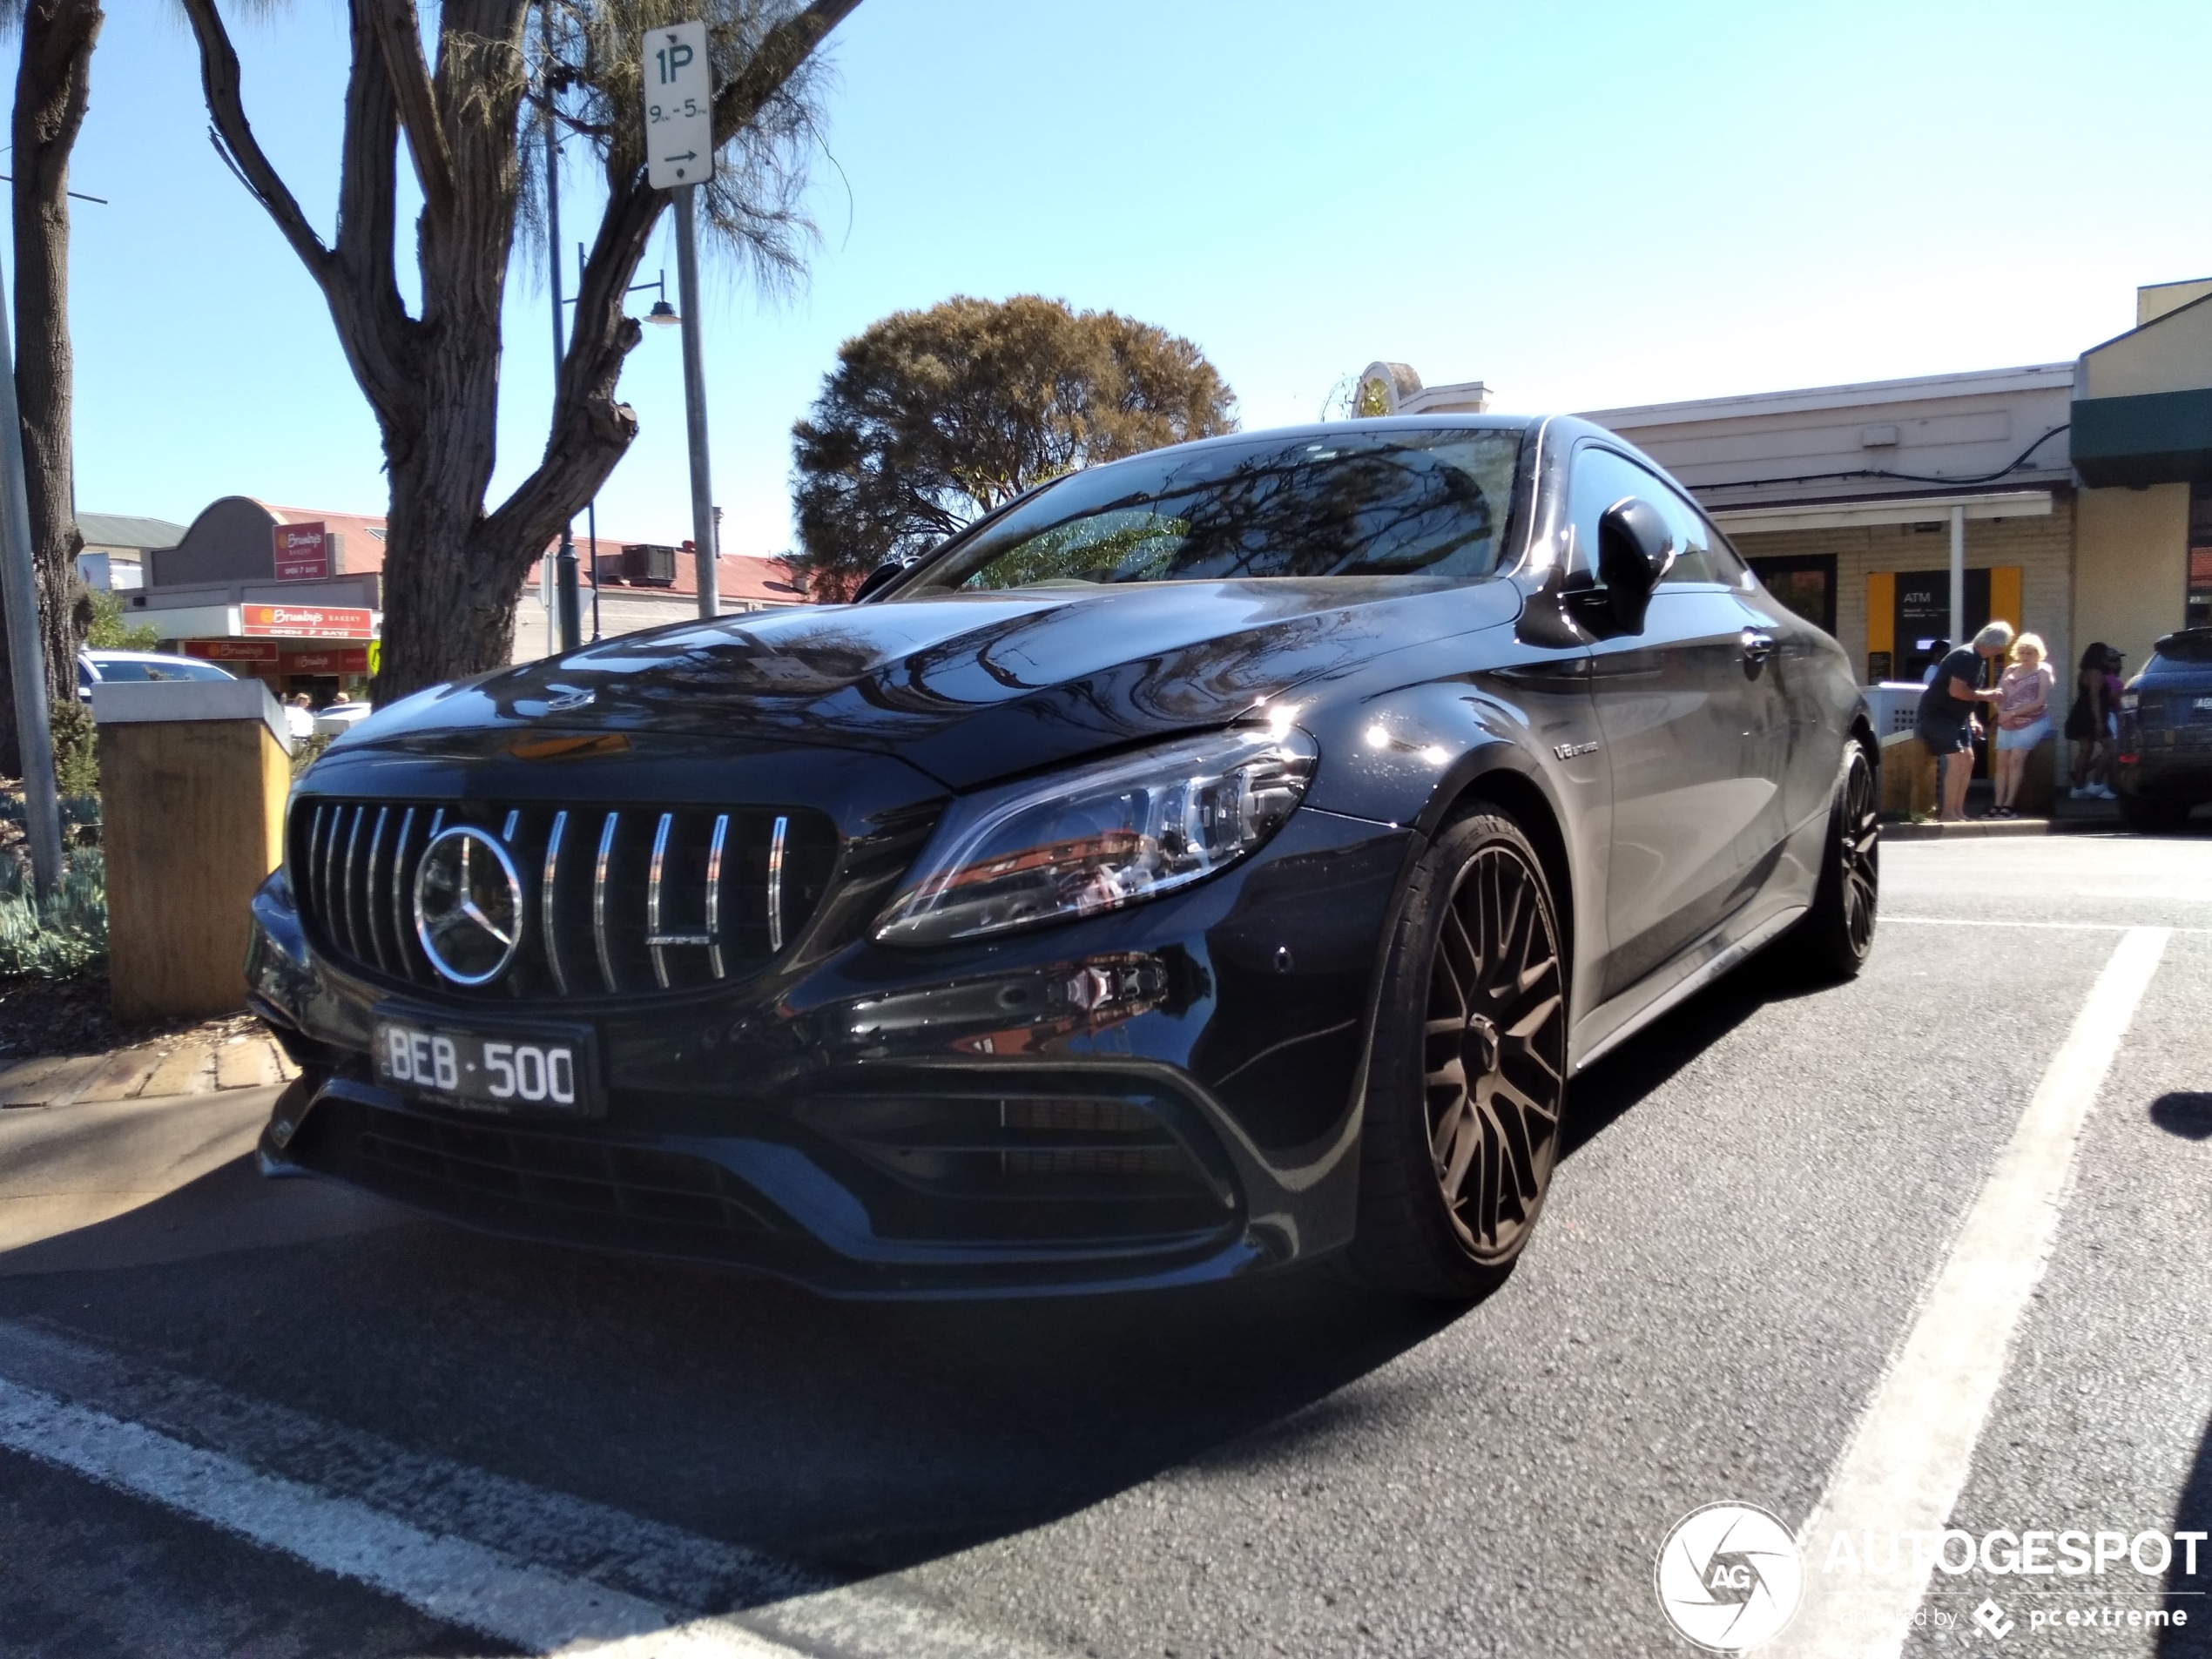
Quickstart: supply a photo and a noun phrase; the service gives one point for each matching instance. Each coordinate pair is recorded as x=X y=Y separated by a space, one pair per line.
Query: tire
x=2153 y=817
x=1831 y=941
x=1470 y=1057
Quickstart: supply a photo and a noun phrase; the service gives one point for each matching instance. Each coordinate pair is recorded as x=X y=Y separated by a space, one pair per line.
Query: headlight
x=1101 y=836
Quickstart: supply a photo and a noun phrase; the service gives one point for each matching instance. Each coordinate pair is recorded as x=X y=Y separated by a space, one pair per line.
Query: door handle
x=1757 y=647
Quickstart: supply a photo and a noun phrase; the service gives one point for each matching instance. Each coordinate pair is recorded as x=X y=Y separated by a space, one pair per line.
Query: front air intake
x=612 y=902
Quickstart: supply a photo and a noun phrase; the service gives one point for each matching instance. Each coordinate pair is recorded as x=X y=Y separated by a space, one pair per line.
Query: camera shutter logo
x=1729 y=1576
x=468 y=906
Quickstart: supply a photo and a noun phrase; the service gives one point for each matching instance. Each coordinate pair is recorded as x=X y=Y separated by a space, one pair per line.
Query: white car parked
x=95 y=667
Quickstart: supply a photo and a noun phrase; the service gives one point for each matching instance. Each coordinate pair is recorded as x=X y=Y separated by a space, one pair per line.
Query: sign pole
x=679 y=157
x=26 y=651
x=687 y=277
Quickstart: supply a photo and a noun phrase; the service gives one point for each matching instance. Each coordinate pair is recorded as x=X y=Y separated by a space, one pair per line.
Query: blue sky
x=1585 y=205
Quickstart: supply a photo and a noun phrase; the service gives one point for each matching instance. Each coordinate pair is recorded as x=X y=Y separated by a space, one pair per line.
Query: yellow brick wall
x=2041 y=548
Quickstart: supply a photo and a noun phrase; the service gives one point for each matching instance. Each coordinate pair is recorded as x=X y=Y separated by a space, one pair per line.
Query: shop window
x=1805 y=584
x=2199 y=614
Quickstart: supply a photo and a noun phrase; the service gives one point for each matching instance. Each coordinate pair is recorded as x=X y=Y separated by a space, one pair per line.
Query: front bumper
x=1166 y=1094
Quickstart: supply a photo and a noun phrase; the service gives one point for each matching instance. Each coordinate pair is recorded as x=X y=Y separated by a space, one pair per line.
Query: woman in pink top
x=2023 y=718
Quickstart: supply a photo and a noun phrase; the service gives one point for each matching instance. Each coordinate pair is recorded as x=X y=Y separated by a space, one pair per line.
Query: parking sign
x=679 y=107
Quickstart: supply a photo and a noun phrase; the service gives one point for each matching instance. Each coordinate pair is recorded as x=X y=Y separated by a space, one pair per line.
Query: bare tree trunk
x=453 y=571
x=52 y=83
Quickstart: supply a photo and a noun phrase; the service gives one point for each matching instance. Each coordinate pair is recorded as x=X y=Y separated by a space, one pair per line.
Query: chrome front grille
x=616 y=901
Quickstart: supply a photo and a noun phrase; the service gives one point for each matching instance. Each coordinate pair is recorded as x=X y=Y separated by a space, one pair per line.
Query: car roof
x=104 y=655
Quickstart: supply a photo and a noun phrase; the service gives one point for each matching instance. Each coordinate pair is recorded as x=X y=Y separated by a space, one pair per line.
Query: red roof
x=738 y=575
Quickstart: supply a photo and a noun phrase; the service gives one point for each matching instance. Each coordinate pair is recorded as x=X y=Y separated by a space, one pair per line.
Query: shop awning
x=2151 y=438
x=1888 y=510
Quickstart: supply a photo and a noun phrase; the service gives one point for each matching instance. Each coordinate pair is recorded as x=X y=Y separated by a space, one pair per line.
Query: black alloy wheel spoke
x=1858 y=854
x=1496 y=1063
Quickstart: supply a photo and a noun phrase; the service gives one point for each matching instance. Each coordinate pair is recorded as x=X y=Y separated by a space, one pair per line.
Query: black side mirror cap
x=1635 y=549
x=880 y=578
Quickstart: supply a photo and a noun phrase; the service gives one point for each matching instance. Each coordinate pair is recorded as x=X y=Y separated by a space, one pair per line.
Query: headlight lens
x=1101 y=837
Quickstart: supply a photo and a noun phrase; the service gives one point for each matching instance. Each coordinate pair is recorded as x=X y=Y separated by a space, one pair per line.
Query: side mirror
x=880 y=578
x=1635 y=549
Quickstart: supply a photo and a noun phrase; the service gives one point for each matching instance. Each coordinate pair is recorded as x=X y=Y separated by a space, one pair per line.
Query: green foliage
x=77 y=760
x=63 y=937
x=933 y=418
x=306 y=751
x=110 y=631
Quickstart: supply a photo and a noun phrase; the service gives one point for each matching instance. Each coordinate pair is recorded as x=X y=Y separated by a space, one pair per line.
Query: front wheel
x=1468 y=1077
x=1833 y=938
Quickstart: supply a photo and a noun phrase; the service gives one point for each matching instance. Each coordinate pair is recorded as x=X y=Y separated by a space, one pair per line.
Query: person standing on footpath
x=2023 y=719
x=1946 y=722
x=2088 y=723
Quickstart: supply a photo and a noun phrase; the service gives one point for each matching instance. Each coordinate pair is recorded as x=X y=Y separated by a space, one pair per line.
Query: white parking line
x=1992 y=921
x=543 y=1570
x=1914 y=1446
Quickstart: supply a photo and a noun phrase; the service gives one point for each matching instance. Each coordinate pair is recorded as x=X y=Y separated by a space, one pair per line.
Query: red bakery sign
x=232 y=650
x=328 y=661
x=307 y=621
x=302 y=552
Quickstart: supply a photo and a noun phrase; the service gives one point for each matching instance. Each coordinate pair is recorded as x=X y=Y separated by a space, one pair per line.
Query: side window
x=1600 y=478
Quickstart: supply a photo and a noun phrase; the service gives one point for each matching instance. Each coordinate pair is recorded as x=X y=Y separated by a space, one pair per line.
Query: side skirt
x=1682 y=990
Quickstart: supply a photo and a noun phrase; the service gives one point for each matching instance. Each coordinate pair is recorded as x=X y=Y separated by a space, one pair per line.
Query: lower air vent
x=1063 y=1166
x=564 y=1186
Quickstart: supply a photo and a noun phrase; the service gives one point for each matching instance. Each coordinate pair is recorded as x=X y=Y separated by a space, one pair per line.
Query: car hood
x=966 y=687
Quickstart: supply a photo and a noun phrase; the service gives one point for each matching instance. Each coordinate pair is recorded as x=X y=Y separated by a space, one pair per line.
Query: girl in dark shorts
x=2088 y=727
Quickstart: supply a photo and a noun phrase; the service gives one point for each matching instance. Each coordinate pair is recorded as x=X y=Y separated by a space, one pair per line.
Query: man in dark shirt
x=1946 y=722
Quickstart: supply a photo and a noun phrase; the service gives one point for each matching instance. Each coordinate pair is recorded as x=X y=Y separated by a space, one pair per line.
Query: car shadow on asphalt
x=855 y=1437
x=1633 y=1072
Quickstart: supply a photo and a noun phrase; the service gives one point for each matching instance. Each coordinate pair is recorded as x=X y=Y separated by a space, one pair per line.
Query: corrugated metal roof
x=125 y=529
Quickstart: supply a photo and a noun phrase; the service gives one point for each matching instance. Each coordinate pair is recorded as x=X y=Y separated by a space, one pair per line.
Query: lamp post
x=564 y=586
x=663 y=315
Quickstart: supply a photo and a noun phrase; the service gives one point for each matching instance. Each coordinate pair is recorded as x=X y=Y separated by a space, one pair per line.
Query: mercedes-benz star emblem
x=468 y=905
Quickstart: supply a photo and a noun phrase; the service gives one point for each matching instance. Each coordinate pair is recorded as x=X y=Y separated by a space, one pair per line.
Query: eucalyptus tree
x=932 y=418
x=463 y=97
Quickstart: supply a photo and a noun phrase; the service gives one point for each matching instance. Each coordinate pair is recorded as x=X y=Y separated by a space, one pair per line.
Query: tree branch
x=218 y=75
x=788 y=45
x=399 y=32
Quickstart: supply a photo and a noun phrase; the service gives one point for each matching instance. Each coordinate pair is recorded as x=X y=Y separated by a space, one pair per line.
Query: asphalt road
x=318 y=1426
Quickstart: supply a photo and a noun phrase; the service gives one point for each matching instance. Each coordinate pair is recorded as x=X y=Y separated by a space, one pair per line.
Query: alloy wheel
x=1494 y=1052
x=1859 y=851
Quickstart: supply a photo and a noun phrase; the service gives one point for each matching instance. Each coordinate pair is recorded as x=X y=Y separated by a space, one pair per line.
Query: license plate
x=535 y=1071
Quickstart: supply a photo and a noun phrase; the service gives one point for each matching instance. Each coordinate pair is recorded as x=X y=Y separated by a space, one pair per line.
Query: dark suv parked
x=1218 y=859
x=2165 y=759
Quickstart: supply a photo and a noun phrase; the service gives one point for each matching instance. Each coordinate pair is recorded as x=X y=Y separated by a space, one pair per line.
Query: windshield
x=1372 y=503
x=175 y=668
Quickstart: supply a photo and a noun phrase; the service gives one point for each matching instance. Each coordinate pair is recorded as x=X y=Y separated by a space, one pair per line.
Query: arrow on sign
x=689 y=155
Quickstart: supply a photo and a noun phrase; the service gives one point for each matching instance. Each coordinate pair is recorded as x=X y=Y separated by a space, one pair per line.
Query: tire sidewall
x=1397 y=1118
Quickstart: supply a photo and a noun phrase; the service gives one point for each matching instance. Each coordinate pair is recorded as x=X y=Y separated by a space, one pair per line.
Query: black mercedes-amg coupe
x=1218 y=859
